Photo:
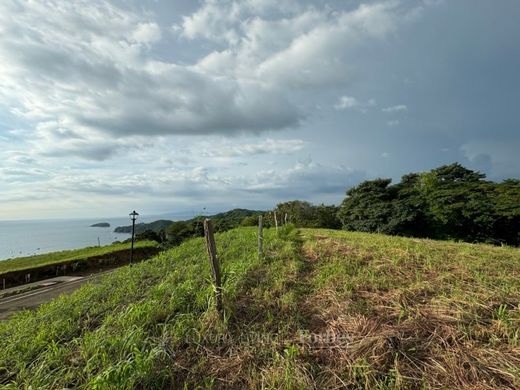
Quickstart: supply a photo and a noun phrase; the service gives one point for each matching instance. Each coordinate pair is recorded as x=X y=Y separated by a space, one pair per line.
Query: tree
x=458 y=203
x=368 y=207
x=148 y=235
x=252 y=220
x=449 y=202
x=506 y=203
x=299 y=212
x=456 y=173
x=180 y=230
x=326 y=217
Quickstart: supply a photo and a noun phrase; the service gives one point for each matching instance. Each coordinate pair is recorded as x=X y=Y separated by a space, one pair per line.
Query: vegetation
x=322 y=309
x=304 y=214
x=233 y=218
x=450 y=202
x=179 y=231
x=21 y=263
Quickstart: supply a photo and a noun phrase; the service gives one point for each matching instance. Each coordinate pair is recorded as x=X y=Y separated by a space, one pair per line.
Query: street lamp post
x=133 y=217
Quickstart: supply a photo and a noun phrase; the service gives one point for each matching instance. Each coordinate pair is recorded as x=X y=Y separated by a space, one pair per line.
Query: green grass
x=322 y=309
x=22 y=263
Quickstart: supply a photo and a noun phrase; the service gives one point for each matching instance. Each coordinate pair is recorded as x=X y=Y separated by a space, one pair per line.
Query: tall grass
x=321 y=309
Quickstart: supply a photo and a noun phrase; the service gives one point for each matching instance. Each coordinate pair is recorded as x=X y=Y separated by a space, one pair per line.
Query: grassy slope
x=397 y=313
x=22 y=263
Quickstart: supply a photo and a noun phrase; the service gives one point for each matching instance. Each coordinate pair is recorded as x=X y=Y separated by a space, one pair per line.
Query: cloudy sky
x=175 y=106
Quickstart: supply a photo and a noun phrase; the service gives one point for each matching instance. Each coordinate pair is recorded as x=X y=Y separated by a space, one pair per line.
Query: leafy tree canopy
x=449 y=202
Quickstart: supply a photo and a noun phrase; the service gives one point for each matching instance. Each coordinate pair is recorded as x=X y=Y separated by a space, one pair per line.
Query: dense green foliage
x=29 y=262
x=304 y=214
x=450 y=202
x=391 y=312
x=232 y=219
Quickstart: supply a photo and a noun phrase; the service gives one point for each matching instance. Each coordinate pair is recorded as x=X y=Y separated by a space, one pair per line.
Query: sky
x=165 y=106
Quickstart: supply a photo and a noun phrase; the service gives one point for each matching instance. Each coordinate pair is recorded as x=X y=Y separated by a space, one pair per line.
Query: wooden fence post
x=3 y=283
x=215 y=265
x=275 y=221
x=285 y=220
x=260 y=237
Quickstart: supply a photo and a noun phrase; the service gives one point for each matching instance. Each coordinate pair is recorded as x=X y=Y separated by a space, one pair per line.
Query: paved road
x=34 y=298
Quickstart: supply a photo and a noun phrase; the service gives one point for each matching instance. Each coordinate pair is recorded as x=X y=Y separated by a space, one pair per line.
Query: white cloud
x=349 y=102
x=223 y=21
x=296 y=45
x=83 y=72
x=346 y=102
x=268 y=146
x=398 y=108
x=85 y=77
x=147 y=33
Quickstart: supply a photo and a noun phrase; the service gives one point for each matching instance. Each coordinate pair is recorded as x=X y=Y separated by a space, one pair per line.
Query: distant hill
x=231 y=219
x=222 y=222
x=155 y=226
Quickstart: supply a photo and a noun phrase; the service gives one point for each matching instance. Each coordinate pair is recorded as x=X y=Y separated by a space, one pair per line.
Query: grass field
x=322 y=309
x=22 y=263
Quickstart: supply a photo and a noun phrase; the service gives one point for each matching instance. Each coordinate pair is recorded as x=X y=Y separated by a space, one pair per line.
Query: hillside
x=323 y=309
x=222 y=221
x=155 y=226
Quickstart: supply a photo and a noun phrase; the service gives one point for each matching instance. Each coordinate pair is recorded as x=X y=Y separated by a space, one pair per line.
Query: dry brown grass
x=429 y=326
x=369 y=313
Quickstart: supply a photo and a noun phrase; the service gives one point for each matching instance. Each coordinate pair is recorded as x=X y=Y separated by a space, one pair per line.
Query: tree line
x=449 y=202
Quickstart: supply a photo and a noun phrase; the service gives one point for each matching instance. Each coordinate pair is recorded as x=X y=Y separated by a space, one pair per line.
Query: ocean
x=26 y=238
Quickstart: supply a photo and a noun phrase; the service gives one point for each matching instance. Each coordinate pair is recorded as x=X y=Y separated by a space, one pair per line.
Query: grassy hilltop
x=323 y=309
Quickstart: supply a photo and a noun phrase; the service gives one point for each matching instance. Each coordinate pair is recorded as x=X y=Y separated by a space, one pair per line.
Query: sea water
x=26 y=238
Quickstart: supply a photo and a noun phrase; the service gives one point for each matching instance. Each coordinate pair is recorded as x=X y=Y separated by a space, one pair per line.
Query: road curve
x=34 y=298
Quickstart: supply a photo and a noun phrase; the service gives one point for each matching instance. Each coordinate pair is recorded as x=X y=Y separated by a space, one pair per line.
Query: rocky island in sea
x=101 y=224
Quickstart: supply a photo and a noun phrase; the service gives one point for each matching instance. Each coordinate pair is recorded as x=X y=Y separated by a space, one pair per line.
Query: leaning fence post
x=215 y=266
x=260 y=237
